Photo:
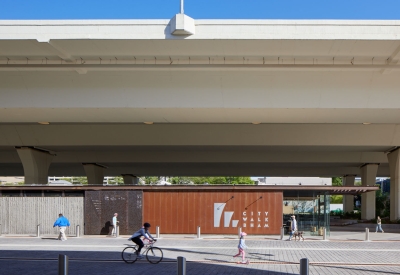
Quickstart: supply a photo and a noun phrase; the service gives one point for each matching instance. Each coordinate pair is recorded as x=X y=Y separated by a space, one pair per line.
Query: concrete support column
x=130 y=179
x=368 y=178
x=94 y=173
x=394 y=166
x=36 y=164
x=348 y=200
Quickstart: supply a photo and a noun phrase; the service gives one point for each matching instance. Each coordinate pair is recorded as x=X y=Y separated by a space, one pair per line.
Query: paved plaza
x=344 y=253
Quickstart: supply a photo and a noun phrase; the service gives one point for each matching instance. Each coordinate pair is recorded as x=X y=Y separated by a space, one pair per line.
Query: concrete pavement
x=345 y=253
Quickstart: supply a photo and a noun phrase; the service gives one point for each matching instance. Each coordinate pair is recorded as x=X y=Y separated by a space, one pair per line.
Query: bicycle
x=153 y=254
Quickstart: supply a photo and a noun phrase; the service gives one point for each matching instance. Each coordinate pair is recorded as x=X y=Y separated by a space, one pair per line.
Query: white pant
x=62 y=235
x=114 y=230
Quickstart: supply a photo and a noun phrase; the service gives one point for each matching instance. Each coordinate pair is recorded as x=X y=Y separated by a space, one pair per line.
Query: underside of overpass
x=245 y=98
x=204 y=160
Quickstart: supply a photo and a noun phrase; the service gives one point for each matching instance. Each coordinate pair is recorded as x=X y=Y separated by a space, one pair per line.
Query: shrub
x=352 y=215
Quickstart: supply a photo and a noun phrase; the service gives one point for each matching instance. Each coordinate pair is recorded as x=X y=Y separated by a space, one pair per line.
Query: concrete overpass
x=231 y=97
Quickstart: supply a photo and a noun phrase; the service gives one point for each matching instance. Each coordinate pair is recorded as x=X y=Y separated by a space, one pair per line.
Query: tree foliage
x=337 y=199
x=357 y=183
x=77 y=180
x=201 y=180
x=150 y=180
x=117 y=180
x=174 y=180
x=80 y=180
x=382 y=202
x=337 y=181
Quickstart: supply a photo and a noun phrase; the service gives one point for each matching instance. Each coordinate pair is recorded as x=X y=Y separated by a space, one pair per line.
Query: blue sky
x=200 y=9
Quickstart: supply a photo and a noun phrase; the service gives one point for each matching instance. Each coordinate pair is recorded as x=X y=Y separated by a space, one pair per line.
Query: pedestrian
x=241 y=247
x=379 y=225
x=293 y=227
x=114 y=224
x=62 y=223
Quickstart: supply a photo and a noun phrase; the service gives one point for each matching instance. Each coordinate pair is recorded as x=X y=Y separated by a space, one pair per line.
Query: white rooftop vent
x=182 y=24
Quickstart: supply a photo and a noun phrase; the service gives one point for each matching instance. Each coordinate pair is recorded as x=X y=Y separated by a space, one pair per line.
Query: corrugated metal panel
x=21 y=215
x=181 y=212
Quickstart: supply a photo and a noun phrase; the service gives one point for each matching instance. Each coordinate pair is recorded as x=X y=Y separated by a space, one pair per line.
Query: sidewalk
x=357 y=233
x=345 y=253
x=388 y=228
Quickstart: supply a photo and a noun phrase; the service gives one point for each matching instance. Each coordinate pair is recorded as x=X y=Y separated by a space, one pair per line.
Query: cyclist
x=142 y=232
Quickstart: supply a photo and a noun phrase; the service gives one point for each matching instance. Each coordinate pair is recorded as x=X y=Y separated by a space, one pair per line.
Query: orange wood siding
x=180 y=212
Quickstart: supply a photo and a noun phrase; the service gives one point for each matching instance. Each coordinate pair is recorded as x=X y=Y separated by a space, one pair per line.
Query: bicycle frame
x=155 y=256
x=147 y=247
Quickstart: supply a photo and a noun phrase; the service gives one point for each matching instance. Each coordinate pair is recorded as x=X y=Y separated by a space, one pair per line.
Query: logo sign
x=255 y=219
x=249 y=219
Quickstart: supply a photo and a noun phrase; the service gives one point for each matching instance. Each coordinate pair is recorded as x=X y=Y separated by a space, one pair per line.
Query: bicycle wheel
x=129 y=255
x=154 y=255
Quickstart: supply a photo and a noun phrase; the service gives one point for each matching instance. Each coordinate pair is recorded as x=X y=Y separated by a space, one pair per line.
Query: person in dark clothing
x=142 y=232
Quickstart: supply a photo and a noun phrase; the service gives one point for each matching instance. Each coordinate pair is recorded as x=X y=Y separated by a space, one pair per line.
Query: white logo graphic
x=218 y=210
x=256 y=219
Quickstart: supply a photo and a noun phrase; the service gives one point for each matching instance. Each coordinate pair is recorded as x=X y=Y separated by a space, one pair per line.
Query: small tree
x=118 y=180
x=337 y=199
x=337 y=181
x=180 y=180
x=150 y=180
x=79 y=180
x=382 y=201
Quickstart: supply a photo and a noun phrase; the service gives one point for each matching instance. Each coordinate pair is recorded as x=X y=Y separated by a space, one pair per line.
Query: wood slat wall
x=21 y=215
x=180 y=212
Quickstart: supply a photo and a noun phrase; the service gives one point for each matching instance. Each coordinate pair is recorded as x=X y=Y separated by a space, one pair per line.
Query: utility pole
x=182 y=12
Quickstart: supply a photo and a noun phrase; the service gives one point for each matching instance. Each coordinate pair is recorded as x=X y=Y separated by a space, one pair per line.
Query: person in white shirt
x=293 y=228
x=114 y=223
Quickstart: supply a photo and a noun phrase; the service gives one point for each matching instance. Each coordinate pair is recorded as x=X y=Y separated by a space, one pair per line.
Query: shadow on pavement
x=361 y=270
x=260 y=256
x=195 y=252
x=35 y=262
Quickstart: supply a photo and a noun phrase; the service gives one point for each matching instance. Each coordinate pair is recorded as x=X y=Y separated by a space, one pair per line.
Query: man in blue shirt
x=62 y=223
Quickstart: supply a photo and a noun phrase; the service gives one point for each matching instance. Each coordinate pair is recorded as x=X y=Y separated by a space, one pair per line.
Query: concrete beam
x=56 y=49
x=368 y=178
x=36 y=164
x=94 y=173
x=201 y=169
x=218 y=134
x=130 y=179
x=205 y=29
x=198 y=67
x=348 y=200
x=392 y=60
x=200 y=154
x=394 y=164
